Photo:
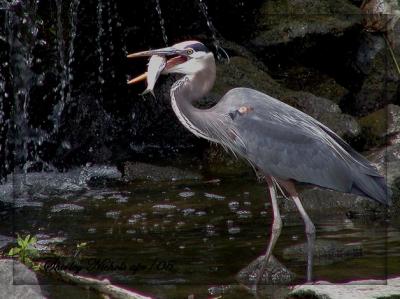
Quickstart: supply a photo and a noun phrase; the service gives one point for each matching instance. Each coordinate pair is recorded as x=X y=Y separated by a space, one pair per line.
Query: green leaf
x=20 y=242
x=14 y=251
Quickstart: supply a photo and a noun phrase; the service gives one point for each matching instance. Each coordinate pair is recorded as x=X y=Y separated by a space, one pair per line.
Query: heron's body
x=283 y=143
x=277 y=139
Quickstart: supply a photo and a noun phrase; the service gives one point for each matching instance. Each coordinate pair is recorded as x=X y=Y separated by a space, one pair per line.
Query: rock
x=18 y=282
x=149 y=172
x=301 y=78
x=280 y=22
x=322 y=201
x=36 y=184
x=387 y=160
x=382 y=124
x=380 y=78
x=275 y=273
x=325 y=252
x=5 y=240
x=361 y=289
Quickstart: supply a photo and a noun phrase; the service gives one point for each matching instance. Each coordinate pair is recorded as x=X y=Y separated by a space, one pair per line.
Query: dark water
x=174 y=239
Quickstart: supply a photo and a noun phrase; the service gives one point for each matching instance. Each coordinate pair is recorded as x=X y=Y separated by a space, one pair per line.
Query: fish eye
x=189 y=51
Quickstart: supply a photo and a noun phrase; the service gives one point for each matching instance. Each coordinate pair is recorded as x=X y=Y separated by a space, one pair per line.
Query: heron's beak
x=156 y=66
x=169 y=51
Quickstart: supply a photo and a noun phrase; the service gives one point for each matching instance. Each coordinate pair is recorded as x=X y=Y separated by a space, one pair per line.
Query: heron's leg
x=310 y=228
x=276 y=227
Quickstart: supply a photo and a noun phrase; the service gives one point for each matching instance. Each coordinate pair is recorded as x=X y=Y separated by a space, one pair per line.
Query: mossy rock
x=281 y=21
x=381 y=124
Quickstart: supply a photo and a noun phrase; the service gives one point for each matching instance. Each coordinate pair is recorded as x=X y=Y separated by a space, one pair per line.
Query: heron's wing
x=286 y=143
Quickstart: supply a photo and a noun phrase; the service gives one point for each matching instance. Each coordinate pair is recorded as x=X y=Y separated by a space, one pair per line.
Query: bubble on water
x=92 y=230
x=214 y=196
x=164 y=207
x=233 y=205
x=66 y=208
x=132 y=221
x=113 y=214
x=210 y=230
x=234 y=230
x=229 y=223
x=188 y=211
x=295 y=237
x=200 y=213
x=244 y=214
x=182 y=247
x=186 y=194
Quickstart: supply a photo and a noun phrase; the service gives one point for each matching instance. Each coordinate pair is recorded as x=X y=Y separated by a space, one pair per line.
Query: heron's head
x=189 y=57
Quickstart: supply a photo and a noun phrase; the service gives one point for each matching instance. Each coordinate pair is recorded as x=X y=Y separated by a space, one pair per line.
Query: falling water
x=100 y=32
x=22 y=32
x=216 y=42
x=162 y=22
x=65 y=63
x=111 y=12
x=73 y=14
x=63 y=74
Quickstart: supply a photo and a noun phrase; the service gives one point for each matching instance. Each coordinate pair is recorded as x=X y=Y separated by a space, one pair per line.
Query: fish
x=155 y=66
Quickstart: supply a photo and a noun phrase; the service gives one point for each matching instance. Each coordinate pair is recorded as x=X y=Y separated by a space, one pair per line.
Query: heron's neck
x=188 y=90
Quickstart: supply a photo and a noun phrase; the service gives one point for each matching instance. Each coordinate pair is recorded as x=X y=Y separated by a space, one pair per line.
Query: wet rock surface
x=38 y=184
x=322 y=201
x=17 y=281
x=325 y=252
x=275 y=273
x=5 y=240
x=149 y=172
x=374 y=65
x=362 y=289
x=284 y=21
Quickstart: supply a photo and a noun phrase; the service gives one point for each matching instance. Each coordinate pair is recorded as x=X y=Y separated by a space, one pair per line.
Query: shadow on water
x=174 y=239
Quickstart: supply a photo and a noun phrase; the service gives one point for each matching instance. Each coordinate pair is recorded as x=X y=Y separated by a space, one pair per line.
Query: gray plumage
x=289 y=144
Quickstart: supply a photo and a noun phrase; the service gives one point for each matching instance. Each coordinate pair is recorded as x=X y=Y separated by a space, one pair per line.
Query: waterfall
x=204 y=10
x=162 y=22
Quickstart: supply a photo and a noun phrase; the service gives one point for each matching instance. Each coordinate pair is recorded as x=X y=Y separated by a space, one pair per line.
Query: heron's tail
x=374 y=187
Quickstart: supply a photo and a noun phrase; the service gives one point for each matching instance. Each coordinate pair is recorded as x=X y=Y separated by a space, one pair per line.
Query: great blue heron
x=282 y=143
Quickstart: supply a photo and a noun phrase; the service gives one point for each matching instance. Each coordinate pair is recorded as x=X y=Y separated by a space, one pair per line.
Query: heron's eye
x=189 y=51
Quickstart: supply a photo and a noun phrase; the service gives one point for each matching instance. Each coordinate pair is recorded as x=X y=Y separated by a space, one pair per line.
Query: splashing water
x=22 y=31
x=216 y=42
x=162 y=22
x=100 y=33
